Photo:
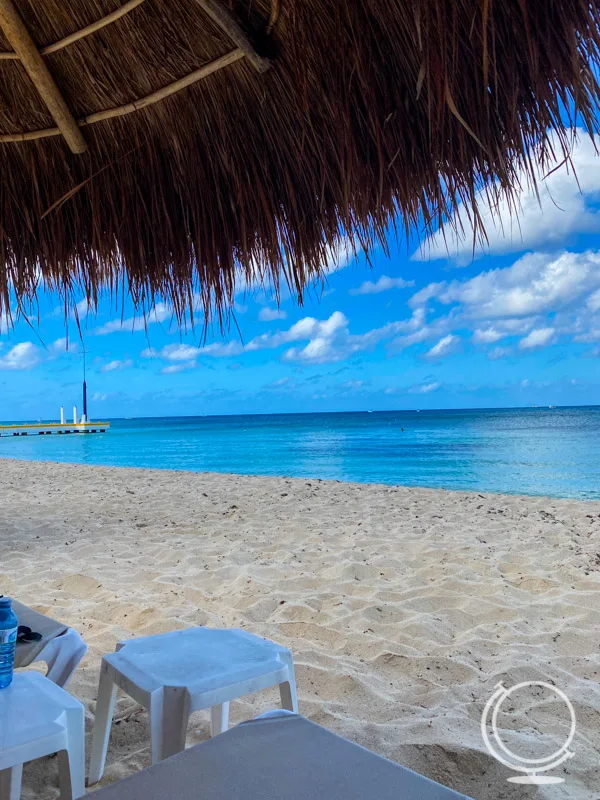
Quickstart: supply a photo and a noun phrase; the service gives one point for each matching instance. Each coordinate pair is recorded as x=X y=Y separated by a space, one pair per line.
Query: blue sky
x=432 y=326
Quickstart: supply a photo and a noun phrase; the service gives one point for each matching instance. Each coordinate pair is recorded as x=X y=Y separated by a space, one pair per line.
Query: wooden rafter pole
x=229 y=25
x=20 y=39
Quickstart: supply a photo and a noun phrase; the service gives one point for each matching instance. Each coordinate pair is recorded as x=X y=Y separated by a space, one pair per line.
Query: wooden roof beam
x=20 y=39
x=229 y=25
x=8 y=55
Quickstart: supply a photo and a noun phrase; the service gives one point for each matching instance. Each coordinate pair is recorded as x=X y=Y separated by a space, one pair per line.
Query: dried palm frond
x=370 y=113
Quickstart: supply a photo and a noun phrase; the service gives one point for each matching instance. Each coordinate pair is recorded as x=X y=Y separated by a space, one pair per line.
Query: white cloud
x=591 y=335
x=177 y=352
x=498 y=352
x=159 y=313
x=63 y=345
x=447 y=345
x=320 y=350
x=563 y=210
x=539 y=337
x=172 y=369
x=269 y=314
x=82 y=309
x=427 y=293
x=487 y=335
x=99 y=397
x=425 y=388
x=22 y=356
x=117 y=365
x=216 y=349
x=327 y=341
x=279 y=383
x=538 y=291
x=382 y=285
x=593 y=301
x=535 y=284
x=340 y=256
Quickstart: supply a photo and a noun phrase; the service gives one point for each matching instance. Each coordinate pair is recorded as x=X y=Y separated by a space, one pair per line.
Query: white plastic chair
x=38 y=718
x=62 y=655
x=174 y=674
x=60 y=647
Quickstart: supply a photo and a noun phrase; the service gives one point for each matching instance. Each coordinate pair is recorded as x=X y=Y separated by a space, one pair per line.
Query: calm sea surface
x=526 y=451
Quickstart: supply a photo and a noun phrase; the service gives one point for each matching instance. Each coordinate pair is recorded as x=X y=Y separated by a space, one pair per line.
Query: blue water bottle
x=9 y=625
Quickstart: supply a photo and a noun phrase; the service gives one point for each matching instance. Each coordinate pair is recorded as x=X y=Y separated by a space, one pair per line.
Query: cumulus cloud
x=382 y=285
x=523 y=301
x=61 y=346
x=535 y=284
x=539 y=337
x=538 y=291
x=82 y=309
x=326 y=341
x=425 y=388
x=498 y=352
x=22 y=356
x=340 y=256
x=117 y=365
x=161 y=312
x=487 y=335
x=445 y=347
x=564 y=208
x=593 y=301
x=270 y=314
x=172 y=369
x=174 y=352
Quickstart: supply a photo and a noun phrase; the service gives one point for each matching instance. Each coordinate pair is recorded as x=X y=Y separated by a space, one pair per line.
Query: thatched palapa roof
x=172 y=147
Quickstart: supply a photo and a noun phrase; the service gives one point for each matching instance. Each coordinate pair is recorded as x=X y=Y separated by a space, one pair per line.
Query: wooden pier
x=49 y=428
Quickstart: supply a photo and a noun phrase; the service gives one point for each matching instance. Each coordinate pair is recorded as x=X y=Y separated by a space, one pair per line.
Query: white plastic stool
x=38 y=718
x=175 y=674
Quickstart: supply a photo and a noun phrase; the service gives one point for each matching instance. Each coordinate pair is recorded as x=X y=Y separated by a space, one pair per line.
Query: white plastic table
x=175 y=674
x=38 y=718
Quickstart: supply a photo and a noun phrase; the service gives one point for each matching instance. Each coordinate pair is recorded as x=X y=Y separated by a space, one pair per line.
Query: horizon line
x=533 y=407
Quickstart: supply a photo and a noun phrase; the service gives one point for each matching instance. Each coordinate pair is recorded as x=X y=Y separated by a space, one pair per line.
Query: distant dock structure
x=47 y=428
x=79 y=425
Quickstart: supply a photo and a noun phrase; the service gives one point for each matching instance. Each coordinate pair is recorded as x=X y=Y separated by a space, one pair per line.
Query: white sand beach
x=403 y=607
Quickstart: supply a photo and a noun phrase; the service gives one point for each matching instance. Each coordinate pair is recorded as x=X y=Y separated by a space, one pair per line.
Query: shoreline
x=403 y=606
x=484 y=493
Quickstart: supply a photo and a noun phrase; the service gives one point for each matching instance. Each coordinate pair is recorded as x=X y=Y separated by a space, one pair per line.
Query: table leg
x=219 y=719
x=105 y=708
x=175 y=717
x=71 y=762
x=287 y=689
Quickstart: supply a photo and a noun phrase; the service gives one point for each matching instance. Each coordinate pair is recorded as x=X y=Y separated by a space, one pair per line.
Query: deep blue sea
x=536 y=451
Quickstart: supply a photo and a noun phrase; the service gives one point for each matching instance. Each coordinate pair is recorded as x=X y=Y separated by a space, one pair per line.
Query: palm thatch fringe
x=373 y=113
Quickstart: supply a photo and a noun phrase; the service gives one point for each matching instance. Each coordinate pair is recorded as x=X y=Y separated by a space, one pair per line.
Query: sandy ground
x=403 y=607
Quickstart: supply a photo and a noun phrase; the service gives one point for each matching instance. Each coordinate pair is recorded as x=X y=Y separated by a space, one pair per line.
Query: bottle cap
x=5 y=602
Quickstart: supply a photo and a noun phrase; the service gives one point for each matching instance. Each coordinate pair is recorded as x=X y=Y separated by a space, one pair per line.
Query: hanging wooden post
x=20 y=39
x=229 y=25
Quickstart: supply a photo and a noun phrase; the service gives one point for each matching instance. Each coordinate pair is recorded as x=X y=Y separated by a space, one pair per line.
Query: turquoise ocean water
x=525 y=451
